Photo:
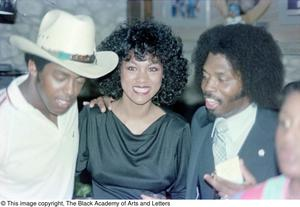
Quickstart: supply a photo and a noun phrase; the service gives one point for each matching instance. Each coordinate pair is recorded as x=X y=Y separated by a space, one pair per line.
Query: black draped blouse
x=124 y=165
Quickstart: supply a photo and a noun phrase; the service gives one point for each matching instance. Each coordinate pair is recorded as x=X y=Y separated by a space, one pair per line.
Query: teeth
x=63 y=102
x=211 y=100
x=141 y=89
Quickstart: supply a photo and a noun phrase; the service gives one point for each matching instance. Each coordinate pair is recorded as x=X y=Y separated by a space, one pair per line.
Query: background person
x=287 y=185
x=242 y=11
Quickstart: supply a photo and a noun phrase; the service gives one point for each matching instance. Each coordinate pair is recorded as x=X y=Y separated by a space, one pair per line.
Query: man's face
x=222 y=87
x=58 y=88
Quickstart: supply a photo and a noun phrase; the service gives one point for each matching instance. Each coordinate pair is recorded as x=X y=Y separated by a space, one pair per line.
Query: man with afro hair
x=240 y=73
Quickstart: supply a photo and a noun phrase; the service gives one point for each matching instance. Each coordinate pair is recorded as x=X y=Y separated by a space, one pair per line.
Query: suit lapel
x=254 y=138
x=258 y=150
x=205 y=160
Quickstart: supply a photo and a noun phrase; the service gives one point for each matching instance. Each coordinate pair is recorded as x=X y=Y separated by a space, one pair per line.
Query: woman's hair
x=143 y=38
x=252 y=52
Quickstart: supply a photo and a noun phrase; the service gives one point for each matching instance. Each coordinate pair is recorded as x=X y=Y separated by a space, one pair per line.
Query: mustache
x=209 y=95
x=67 y=98
x=238 y=96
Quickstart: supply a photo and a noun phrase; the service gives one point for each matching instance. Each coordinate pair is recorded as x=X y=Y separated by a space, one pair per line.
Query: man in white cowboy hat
x=38 y=111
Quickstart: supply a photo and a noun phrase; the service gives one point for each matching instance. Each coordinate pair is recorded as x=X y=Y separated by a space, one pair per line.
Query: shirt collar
x=18 y=101
x=15 y=96
x=234 y=122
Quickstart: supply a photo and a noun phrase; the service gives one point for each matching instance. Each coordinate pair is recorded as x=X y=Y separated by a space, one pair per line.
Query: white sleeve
x=3 y=126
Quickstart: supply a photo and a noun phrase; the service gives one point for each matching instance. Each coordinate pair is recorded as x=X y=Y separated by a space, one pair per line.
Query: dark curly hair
x=252 y=52
x=146 y=38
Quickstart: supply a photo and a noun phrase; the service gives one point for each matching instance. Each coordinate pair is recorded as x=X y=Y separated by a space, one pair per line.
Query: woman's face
x=141 y=79
x=288 y=136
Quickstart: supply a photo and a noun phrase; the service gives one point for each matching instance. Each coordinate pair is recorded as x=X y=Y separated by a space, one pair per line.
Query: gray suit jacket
x=260 y=138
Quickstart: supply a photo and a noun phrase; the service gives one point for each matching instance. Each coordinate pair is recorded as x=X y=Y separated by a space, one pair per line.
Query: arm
x=82 y=190
x=178 y=189
x=83 y=153
x=256 y=12
x=3 y=143
x=5 y=124
x=221 y=5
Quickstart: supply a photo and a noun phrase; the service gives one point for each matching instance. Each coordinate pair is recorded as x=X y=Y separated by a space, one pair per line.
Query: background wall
x=108 y=14
x=285 y=29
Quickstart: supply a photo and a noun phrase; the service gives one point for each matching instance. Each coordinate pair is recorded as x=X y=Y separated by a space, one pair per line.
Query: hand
x=103 y=102
x=226 y=188
x=151 y=196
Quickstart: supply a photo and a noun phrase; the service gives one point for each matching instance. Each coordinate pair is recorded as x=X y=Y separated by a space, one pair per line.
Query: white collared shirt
x=37 y=158
x=239 y=126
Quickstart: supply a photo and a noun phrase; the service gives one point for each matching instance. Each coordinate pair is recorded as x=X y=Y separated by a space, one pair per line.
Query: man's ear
x=32 y=68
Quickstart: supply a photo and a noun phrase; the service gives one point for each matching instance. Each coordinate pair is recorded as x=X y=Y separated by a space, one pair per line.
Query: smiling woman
x=126 y=149
x=140 y=79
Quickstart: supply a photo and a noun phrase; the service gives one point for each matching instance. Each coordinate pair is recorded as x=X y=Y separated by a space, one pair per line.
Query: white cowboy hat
x=69 y=41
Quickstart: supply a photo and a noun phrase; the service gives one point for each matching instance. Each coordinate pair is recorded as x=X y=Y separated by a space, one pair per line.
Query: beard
x=210 y=115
